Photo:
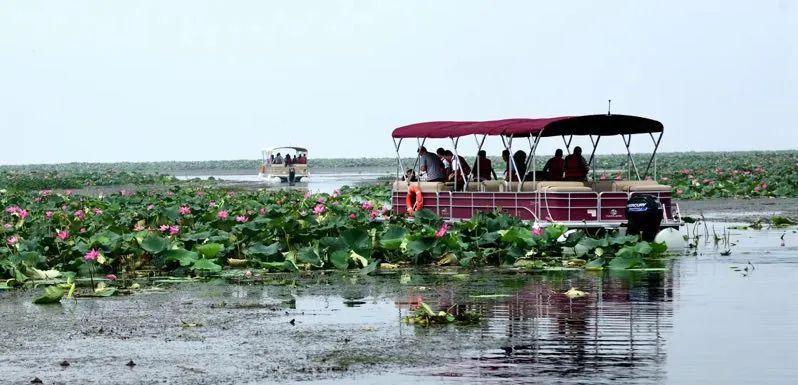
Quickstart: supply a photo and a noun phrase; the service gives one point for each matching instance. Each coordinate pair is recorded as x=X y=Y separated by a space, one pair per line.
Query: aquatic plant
x=423 y=315
x=192 y=231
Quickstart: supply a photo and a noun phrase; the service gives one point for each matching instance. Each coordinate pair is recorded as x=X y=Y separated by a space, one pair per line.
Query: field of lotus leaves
x=693 y=175
x=61 y=238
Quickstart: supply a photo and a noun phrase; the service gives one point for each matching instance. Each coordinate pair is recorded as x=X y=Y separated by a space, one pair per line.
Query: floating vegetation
x=423 y=315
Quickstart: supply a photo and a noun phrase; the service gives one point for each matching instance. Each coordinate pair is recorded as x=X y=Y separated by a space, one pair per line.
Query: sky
x=104 y=81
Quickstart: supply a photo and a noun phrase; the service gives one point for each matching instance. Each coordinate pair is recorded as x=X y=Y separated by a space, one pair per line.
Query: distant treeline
x=664 y=161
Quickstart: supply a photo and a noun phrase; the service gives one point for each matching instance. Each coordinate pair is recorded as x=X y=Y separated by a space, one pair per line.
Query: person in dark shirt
x=483 y=170
x=431 y=165
x=575 y=166
x=554 y=167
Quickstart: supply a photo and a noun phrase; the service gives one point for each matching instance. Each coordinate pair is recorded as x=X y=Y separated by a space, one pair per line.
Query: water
x=699 y=322
x=324 y=180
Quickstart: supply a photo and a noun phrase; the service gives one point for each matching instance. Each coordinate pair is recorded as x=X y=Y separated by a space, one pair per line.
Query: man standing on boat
x=575 y=166
x=432 y=165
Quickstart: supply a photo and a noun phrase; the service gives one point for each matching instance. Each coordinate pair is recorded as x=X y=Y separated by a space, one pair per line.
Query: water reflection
x=615 y=333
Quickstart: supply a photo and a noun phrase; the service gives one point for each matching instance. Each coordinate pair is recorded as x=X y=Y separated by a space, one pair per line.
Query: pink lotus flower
x=45 y=193
x=200 y=193
x=248 y=274
x=110 y=277
x=138 y=227
x=537 y=230
x=319 y=209
x=37 y=200
x=442 y=231
x=212 y=204
x=679 y=191
x=79 y=214
x=68 y=193
x=12 y=240
x=164 y=228
x=22 y=213
x=307 y=195
x=48 y=214
x=174 y=230
x=764 y=186
x=97 y=211
x=91 y=255
x=336 y=193
x=150 y=207
x=352 y=216
x=231 y=193
x=366 y=206
x=170 y=194
x=756 y=189
x=241 y=218
x=7 y=225
x=184 y=210
x=374 y=214
x=82 y=230
x=320 y=200
x=262 y=211
x=222 y=215
x=62 y=235
x=12 y=209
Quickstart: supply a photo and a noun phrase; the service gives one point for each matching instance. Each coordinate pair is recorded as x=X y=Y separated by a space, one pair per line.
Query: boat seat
x=474 y=186
x=513 y=186
x=651 y=188
x=603 y=185
x=401 y=186
x=566 y=189
x=638 y=185
x=544 y=185
x=492 y=185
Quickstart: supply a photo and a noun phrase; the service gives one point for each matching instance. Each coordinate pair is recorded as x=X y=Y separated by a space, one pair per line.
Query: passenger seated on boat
x=459 y=169
x=410 y=176
x=554 y=167
x=278 y=159
x=575 y=166
x=301 y=159
x=288 y=160
x=447 y=165
x=482 y=169
x=271 y=159
x=431 y=165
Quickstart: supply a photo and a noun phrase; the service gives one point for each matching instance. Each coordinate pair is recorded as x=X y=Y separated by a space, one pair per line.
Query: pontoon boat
x=275 y=167
x=592 y=203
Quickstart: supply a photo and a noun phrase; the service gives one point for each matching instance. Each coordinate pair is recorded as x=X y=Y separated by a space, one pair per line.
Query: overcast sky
x=200 y=80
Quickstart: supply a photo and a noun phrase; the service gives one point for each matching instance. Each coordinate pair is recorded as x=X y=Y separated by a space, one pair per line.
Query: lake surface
x=322 y=180
x=704 y=321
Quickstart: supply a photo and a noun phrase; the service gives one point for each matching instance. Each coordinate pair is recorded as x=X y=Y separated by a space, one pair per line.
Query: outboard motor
x=644 y=216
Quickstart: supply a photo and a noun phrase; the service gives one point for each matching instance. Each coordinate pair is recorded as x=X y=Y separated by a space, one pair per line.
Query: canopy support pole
x=479 y=148
x=533 y=148
x=399 y=163
x=593 y=155
x=632 y=165
x=460 y=167
x=567 y=143
x=508 y=145
x=653 y=155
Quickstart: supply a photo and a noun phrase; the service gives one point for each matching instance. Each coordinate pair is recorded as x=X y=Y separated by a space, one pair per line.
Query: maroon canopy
x=598 y=125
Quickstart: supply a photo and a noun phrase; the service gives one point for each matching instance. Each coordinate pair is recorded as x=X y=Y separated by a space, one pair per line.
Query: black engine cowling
x=644 y=216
